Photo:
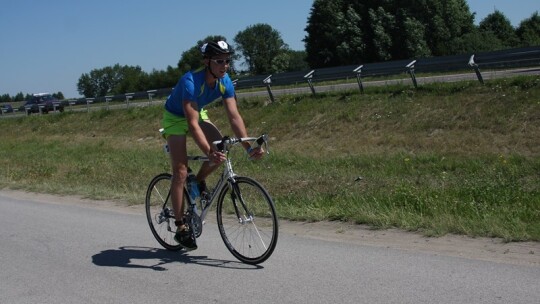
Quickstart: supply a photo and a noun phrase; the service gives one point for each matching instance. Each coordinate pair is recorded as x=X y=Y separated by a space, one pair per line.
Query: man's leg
x=178 y=153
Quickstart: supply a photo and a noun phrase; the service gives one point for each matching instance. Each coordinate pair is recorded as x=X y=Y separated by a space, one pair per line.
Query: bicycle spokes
x=159 y=211
x=247 y=221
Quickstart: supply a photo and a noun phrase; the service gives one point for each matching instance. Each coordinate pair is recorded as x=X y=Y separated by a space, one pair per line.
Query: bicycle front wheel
x=159 y=211
x=247 y=220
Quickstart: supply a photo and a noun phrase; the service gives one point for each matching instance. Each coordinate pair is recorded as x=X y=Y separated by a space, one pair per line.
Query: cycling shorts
x=177 y=125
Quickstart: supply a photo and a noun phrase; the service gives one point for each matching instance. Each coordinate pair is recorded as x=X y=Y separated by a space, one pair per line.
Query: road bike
x=246 y=215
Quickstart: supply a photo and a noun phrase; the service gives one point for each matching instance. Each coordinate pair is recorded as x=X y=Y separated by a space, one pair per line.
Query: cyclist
x=184 y=114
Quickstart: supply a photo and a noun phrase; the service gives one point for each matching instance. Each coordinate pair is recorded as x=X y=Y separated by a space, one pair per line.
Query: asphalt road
x=58 y=252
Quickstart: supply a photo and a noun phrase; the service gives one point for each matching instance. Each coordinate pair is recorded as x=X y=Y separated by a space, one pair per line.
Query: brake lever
x=221 y=145
x=263 y=140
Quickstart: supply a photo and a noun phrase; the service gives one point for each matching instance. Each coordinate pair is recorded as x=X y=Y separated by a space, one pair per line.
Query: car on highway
x=6 y=108
x=41 y=103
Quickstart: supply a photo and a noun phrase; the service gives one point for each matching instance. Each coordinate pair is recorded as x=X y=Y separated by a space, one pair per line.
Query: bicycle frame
x=226 y=179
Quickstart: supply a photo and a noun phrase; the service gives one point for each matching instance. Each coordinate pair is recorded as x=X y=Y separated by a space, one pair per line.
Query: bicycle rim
x=159 y=211
x=249 y=230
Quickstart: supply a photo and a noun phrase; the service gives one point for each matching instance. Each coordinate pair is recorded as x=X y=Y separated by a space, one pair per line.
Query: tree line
x=373 y=31
x=338 y=32
x=260 y=46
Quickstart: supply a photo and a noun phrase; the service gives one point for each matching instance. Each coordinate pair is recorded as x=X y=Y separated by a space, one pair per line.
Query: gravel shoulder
x=484 y=249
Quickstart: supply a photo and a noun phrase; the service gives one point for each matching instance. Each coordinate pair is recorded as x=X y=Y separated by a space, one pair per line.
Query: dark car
x=42 y=103
x=6 y=108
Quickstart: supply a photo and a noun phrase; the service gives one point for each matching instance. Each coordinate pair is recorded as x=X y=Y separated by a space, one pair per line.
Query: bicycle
x=246 y=215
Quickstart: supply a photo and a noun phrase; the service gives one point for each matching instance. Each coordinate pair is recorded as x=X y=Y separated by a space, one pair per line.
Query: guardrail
x=504 y=59
x=511 y=58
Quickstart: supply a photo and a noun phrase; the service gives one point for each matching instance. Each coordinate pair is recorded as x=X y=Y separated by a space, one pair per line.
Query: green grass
x=445 y=158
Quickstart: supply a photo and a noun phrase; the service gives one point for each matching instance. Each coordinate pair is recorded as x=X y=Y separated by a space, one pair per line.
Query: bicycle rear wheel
x=247 y=220
x=159 y=211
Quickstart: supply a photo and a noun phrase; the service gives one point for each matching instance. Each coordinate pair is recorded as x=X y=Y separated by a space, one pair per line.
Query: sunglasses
x=221 y=61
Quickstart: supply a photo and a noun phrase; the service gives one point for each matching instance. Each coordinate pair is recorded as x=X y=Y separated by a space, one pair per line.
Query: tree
x=163 y=79
x=528 y=30
x=322 y=38
x=19 y=97
x=260 y=45
x=374 y=30
x=5 y=98
x=112 y=80
x=351 y=46
x=87 y=86
x=501 y=27
x=296 y=60
x=414 y=43
x=59 y=96
x=383 y=24
x=130 y=79
x=476 y=41
x=190 y=60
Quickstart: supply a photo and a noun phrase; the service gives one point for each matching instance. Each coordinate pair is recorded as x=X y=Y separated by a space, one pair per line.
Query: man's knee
x=179 y=175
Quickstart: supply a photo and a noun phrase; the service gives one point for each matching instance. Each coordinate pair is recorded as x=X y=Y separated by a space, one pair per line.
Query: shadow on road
x=157 y=259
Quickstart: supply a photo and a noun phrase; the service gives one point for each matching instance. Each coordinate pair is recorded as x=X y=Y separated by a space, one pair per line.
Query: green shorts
x=177 y=125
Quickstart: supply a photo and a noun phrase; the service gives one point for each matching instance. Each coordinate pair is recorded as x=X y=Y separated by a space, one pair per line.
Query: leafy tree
x=477 y=41
x=19 y=97
x=528 y=30
x=163 y=79
x=382 y=25
x=289 y=61
x=351 y=47
x=322 y=39
x=414 y=43
x=58 y=95
x=190 y=60
x=296 y=60
x=501 y=27
x=375 y=30
x=87 y=85
x=451 y=20
x=5 y=98
x=112 y=80
x=130 y=79
x=279 y=63
x=261 y=45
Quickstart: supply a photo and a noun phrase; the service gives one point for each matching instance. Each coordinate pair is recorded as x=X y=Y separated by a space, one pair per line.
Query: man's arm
x=236 y=121
x=192 y=116
x=239 y=128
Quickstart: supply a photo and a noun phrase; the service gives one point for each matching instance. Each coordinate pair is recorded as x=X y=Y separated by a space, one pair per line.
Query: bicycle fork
x=245 y=218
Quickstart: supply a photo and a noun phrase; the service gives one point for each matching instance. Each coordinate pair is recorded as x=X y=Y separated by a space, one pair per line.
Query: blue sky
x=46 y=45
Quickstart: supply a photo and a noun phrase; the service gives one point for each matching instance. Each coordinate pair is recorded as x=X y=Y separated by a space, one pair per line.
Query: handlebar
x=227 y=142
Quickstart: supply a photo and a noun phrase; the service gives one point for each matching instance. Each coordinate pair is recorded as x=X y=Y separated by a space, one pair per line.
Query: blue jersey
x=192 y=86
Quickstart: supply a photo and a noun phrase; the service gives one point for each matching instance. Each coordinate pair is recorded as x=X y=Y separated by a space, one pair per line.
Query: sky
x=46 y=45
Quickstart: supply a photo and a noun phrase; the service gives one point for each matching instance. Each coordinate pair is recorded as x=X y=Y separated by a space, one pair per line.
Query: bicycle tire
x=253 y=239
x=159 y=211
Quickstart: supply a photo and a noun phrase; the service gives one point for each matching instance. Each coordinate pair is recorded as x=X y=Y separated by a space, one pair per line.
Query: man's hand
x=216 y=157
x=256 y=153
